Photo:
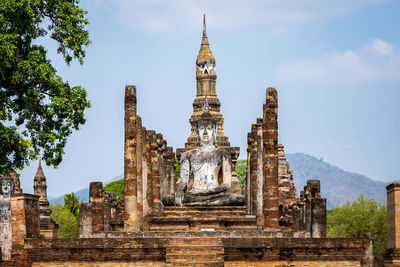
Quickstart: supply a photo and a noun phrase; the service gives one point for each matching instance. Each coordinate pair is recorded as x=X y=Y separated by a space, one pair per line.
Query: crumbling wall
x=263 y=164
x=271 y=192
x=287 y=192
x=149 y=172
x=312 y=210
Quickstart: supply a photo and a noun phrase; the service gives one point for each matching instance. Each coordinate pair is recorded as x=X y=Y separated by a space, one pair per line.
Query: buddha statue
x=206 y=174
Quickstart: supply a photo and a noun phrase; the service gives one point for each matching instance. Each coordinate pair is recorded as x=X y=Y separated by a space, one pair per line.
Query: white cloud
x=273 y=15
x=375 y=62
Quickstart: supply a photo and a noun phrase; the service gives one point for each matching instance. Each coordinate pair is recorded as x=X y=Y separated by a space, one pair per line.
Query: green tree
x=241 y=169
x=68 y=226
x=71 y=202
x=177 y=168
x=355 y=218
x=116 y=186
x=38 y=110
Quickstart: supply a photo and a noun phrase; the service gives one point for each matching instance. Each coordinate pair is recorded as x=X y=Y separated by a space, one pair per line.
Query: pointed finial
x=39 y=173
x=204 y=25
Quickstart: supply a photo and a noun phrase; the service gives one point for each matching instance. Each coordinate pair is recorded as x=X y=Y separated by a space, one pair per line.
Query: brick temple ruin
x=146 y=226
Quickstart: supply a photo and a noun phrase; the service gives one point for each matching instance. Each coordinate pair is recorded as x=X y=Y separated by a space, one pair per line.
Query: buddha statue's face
x=206 y=132
x=6 y=187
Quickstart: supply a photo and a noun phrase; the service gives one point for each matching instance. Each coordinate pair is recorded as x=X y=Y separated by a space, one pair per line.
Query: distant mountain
x=337 y=185
x=83 y=194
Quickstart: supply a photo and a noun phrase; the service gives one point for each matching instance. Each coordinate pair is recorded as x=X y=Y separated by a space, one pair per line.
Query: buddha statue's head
x=7 y=186
x=206 y=131
x=206 y=127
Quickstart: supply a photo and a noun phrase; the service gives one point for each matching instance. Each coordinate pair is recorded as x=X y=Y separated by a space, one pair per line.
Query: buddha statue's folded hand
x=219 y=189
x=180 y=194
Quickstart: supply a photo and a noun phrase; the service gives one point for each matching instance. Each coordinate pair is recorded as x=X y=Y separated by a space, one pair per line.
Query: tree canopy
x=241 y=168
x=71 y=202
x=68 y=225
x=116 y=186
x=38 y=110
x=355 y=218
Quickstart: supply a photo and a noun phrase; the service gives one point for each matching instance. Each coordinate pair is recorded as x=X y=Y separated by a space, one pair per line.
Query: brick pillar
x=311 y=215
x=259 y=171
x=85 y=220
x=108 y=197
x=170 y=171
x=145 y=178
x=25 y=220
x=163 y=169
x=270 y=147
x=139 y=174
x=251 y=170
x=130 y=161
x=255 y=170
x=392 y=255
x=149 y=190
x=96 y=198
x=155 y=173
x=248 y=176
x=393 y=215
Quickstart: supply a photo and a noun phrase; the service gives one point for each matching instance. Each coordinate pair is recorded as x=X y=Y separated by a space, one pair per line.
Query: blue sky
x=335 y=64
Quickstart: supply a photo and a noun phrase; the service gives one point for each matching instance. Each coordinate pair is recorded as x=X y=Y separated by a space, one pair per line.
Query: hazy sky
x=335 y=64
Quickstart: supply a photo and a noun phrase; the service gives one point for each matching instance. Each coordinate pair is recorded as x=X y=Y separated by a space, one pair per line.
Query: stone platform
x=203 y=218
x=200 y=249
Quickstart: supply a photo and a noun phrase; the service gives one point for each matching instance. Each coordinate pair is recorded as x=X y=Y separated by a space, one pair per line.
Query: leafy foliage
x=177 y=168
x=116 y=186
x=68 y=226
x=241 y=168
x=71 y=202
x=38 y=110
x=355 y=218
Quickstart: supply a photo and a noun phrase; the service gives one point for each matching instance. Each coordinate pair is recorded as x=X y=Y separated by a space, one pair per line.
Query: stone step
x=198 y=264
x=199 y=242
x=202 y=209
x=195 y=252
x=203 y=213
x=206 y=218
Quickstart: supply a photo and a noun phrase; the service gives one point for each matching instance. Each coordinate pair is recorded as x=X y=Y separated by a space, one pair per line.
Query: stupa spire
x=205 y=57
x=204 y=29
x=40 y=183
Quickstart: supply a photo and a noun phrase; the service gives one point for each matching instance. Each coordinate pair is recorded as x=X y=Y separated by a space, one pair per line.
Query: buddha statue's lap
x=206 y=174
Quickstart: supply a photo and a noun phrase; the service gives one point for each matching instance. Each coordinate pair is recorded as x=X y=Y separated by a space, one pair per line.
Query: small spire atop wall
x=48 y=228
x=40 y=183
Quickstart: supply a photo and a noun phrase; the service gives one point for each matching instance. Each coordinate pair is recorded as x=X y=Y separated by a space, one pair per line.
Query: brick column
x=139 y=168
x=393 y=215
x=145 y=179
x=149 y=190
x=252 y=170
x=270 y=138
x=96 y=198
x=130 y=161
x=85 y=220
x=25 y=220
x=392 y=255
x=155 y=173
